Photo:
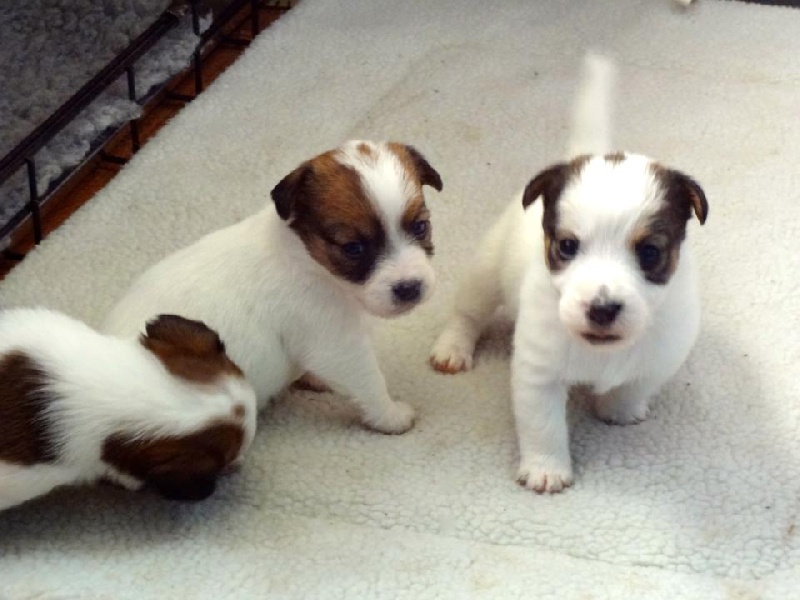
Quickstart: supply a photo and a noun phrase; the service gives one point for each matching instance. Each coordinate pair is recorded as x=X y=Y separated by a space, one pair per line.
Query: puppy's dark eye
x=568 y=248
x=354 y=249
x=419 y=228
x=649 y=256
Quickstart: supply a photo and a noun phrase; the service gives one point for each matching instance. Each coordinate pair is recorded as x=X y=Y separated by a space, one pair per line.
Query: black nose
x=603 y=314
x=407 y=291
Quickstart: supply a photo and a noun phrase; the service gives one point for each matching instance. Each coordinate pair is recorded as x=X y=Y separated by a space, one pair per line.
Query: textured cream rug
x=700 y=501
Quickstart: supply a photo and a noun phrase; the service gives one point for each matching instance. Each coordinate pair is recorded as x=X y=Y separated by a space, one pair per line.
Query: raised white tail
x=591 y=120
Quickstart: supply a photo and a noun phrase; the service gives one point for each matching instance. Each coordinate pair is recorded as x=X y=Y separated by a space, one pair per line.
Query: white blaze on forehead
x=386 y=182
x=609 y=197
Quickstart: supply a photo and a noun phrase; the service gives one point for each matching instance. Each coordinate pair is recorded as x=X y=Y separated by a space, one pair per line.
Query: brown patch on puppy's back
x=180 y=467
x=188 y=349
x=24 y=434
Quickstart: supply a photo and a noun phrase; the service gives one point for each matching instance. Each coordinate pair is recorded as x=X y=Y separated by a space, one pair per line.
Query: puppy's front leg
x=540 y=411
x=477 y=298
x=352 y=369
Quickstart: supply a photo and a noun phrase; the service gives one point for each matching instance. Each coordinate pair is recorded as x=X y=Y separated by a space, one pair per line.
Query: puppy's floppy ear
x=426 y=173
x=177 y=331
x=187 y=468
x=186 y=478
x=183 y=467
x=549 y=184
x=178 y=470
x=685 y=194
x=290 y=188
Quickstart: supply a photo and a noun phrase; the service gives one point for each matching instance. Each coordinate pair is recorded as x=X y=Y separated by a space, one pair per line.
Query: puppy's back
x=30 y=342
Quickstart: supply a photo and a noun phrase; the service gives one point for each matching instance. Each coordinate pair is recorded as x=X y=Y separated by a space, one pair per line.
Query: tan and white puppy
x=347 y=235
x=591 y=260
x=169 y=410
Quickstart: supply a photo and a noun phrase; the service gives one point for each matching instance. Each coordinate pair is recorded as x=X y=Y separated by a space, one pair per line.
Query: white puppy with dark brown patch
x=168 y=410
x=591 y=260
x=347 y=235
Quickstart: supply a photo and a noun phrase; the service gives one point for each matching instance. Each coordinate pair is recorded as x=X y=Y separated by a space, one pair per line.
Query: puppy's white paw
x=616 y=411
x=123 y=480
x=545 y=475
x=452 y=352
x=398 y=418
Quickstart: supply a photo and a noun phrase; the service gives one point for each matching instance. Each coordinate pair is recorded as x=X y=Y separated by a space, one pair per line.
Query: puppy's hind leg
x=477 y=298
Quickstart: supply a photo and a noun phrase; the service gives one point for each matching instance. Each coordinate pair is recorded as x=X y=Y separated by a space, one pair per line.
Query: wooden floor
x=97 y=173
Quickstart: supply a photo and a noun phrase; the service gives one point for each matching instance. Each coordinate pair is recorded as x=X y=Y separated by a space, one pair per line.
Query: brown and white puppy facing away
x=347 y=235
x=169 y=411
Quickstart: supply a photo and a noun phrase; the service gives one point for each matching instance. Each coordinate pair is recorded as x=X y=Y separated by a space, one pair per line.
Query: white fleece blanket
x=700 y=501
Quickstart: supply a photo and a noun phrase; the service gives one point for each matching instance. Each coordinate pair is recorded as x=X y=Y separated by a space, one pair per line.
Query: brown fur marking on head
x=326 y=206
x=188 y=349
x=179 y=467
x=549 y=185
x=615 y=158
x=682 y=193
x=666 y=228
x=658 y=232
x=415 y=212
x=366 y=150
x=416 y=164
x=24 y=432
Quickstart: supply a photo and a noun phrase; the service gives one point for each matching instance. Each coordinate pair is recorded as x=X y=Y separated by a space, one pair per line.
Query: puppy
x=348 y=234
x=169 y=410
x=591 y=259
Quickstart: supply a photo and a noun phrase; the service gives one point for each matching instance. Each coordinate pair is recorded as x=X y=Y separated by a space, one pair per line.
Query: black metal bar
x=198 y=71
x=33 y=202
x=180 y=97
x=254 y=29
x=135 y=143
x=113 y=158
x=197 y=59
x=131 y=75
x=221 y=20
x=83 y=97
x=232 y=41
x=15 y=256
x=195 y=18
x=97 y=150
